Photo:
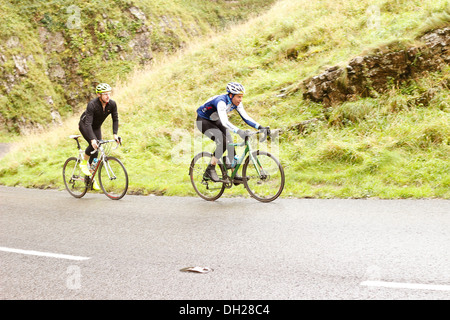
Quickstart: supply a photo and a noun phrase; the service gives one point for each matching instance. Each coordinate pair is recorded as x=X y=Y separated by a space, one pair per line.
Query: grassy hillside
x=53 y=53
x=386 y=146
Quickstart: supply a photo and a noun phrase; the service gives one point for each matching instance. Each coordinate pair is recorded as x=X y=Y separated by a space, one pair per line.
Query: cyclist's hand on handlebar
x=266 y=129
x=94 y=144
x=118 y=139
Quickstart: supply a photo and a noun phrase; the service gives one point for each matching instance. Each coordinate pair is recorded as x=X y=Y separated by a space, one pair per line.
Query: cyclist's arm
x=252 y=123
x=115 y=118
x=222 y=111
x=89 y=119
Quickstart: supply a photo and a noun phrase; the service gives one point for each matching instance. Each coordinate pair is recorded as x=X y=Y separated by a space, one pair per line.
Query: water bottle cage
x=235 y=160
x=93 y=165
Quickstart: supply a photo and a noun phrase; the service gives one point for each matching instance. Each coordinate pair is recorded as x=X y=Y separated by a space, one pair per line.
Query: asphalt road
x=286 y=250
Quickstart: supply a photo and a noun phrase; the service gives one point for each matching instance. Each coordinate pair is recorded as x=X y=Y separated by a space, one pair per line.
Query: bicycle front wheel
x=113 y=178
x=205 y=188
x=74 y=179
x=263 y=176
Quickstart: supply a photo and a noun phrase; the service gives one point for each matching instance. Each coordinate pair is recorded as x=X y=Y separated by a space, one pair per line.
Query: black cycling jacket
x=94 y=116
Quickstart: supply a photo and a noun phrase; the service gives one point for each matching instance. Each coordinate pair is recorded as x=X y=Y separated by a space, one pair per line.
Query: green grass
x=97 y=47
x=391 y=146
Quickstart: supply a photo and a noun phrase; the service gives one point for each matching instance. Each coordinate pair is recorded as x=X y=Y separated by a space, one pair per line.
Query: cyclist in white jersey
x=212 y=120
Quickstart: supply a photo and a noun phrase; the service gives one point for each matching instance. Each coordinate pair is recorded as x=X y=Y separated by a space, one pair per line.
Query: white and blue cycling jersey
x=219 y=106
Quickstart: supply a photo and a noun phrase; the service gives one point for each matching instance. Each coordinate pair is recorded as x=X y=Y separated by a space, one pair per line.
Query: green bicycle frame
x=253 y=159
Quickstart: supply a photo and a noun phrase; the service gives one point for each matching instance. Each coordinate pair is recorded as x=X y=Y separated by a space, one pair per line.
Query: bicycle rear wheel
x=74 y=179
x=268 y=184
x=113 y=178
x=205 y=188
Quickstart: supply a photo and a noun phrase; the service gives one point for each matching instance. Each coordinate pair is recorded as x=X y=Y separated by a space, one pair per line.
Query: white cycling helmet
x=103 y=87
x=235 y=88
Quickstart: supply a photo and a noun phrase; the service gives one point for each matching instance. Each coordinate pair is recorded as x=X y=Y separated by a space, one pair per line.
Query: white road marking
x=44 y=254
x=399 y=285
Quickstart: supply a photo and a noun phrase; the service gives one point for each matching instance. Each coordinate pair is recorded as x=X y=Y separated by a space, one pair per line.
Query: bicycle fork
x=109 y=171
x=258 y=166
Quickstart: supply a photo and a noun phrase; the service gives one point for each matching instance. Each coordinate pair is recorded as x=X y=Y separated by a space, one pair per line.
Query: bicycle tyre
x=268 y=186
x=113 y=178
x=206 y=189
x=74 y=179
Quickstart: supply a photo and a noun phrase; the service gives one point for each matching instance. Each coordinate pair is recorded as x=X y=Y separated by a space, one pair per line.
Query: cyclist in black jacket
x=92 y=119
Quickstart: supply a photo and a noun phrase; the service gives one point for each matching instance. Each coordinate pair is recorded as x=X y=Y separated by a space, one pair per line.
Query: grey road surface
x=54 y=246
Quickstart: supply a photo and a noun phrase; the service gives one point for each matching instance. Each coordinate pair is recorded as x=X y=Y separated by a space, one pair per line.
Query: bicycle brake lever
x=264 y=135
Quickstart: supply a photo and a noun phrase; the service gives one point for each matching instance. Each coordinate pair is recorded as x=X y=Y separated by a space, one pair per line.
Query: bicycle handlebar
x=250 y=133
x=100 y=142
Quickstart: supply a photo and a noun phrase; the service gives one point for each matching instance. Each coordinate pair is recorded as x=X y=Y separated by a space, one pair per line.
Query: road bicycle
x=112 y=175
x=262 y=173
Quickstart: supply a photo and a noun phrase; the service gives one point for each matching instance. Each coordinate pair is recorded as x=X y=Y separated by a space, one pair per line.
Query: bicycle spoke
x=205 y=188
x=264 y=178
x=113 y=178
x=74 y=179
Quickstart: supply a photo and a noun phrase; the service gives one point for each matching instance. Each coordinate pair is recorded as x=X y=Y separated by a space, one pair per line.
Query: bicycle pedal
x=238 y=181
